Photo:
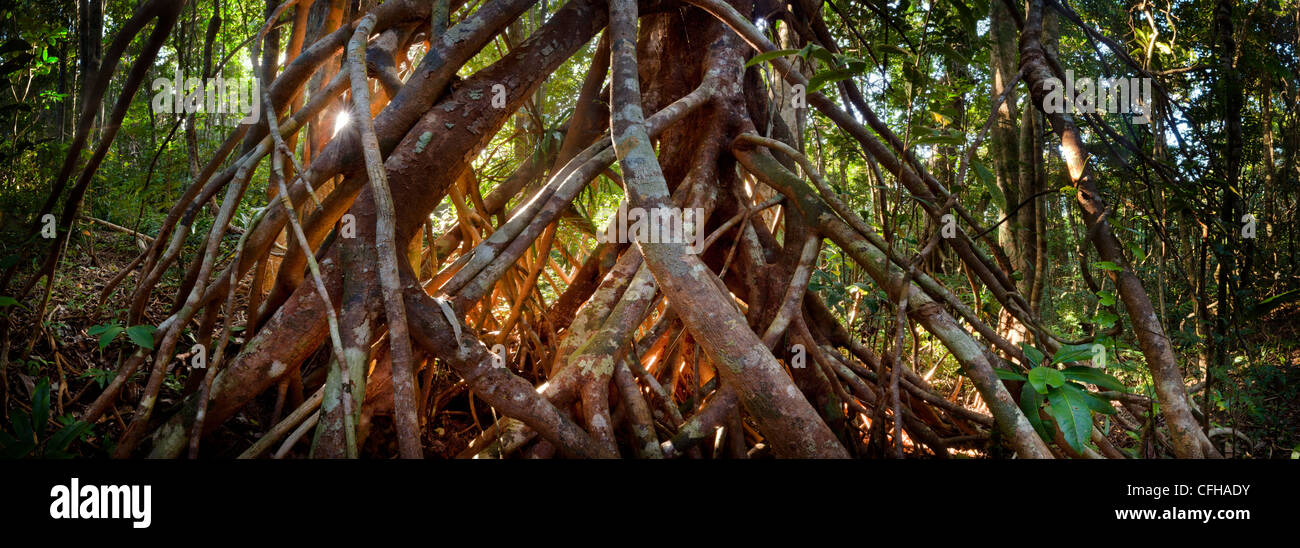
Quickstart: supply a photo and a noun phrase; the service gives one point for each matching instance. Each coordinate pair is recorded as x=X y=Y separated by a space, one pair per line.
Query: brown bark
x=765 y=391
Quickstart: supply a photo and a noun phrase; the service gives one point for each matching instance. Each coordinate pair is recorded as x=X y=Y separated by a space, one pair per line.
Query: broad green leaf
x=60 y=441
x=1286 y=296
x=826 y=77
x=819 y=53
x=1139 y=254
x=1073 y=353
x=1267 y=305
x=106 y=334
x=1089 y=400
x=1030 y=402
x=1107 y=265
x=1043 y=377
x=40 y=406
x=22 y=423
x=1092 y=375
x=990 y=184
x=768 y=56
x=858 y=66
x=1072 y=416
x=1106 y=298
x=1104 y=319
x=141 y=335
x=1034 y=355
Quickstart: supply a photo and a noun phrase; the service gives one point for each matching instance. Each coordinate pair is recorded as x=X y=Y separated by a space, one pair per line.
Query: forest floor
x=66 y=353
x=1263 y=400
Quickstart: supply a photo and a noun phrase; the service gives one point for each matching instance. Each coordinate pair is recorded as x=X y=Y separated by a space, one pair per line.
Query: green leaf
x=1107 y=265
x=1073 y=353
x=22 y=426
x=1106 y=298
x=1034 y=355
x=1043 y=377
x=7 y=301
x=1092 y=375
x=1072 y=416
x=40 y=406
x=1090 y=400
x=768 y=56
x=1030 y=402
x=60 y=441
x=1104 y=319
x=990 y=184
x=854 y=64
x=1139 y=254
x=106 y=334
x=1285 y=297
x=142 y=335
x=1267 y=305
x=1008 y=375
x=819 y=53
x=825 y=77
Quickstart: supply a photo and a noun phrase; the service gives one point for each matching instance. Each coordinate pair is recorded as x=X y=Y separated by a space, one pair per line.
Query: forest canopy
x=652 y=229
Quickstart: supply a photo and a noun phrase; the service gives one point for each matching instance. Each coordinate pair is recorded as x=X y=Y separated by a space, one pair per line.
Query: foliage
x=26 y=436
